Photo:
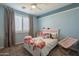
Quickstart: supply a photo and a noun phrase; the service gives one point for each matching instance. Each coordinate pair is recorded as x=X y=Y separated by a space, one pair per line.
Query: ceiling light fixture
x=33 y=6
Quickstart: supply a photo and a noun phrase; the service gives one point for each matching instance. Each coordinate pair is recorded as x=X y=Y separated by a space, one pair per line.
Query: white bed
x=49 y=44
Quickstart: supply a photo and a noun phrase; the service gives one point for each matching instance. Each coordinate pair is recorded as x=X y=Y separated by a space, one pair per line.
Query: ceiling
x=42 y=7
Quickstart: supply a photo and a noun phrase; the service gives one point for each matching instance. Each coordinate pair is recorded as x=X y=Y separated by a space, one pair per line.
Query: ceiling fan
x=33 y=6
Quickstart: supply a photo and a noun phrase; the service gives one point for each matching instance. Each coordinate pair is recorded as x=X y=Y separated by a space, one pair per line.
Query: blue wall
x=1 y=27
x=67 y=21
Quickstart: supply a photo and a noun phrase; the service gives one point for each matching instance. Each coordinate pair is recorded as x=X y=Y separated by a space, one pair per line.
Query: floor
x=18 y=50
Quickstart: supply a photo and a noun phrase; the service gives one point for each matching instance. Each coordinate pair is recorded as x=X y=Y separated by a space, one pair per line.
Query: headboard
x=53 y=32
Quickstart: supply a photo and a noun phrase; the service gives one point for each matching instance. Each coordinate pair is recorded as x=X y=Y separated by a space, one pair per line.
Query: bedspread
x=41 y=46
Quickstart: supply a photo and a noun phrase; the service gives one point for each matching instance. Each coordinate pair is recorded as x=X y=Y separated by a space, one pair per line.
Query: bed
x=47 y=44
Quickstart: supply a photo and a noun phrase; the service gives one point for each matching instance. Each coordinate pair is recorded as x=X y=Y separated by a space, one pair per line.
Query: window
x=25 y=24
x=21 y=23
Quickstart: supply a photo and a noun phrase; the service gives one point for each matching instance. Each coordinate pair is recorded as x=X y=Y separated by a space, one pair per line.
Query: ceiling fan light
x=33 y=6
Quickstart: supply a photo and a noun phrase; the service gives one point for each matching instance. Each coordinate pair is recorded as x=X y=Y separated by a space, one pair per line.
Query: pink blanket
x=40 y=44
x=35 y=43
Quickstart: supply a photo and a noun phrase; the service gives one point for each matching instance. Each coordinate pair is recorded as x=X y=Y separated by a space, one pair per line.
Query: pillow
x=46 y=35
x=53 y=35
x=40 y=34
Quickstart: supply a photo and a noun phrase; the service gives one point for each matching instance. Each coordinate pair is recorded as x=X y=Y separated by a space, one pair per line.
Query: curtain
x=9 y=25
x=31 y=32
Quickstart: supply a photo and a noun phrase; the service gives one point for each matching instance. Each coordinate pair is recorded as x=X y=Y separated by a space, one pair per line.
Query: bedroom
x=38 y=16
